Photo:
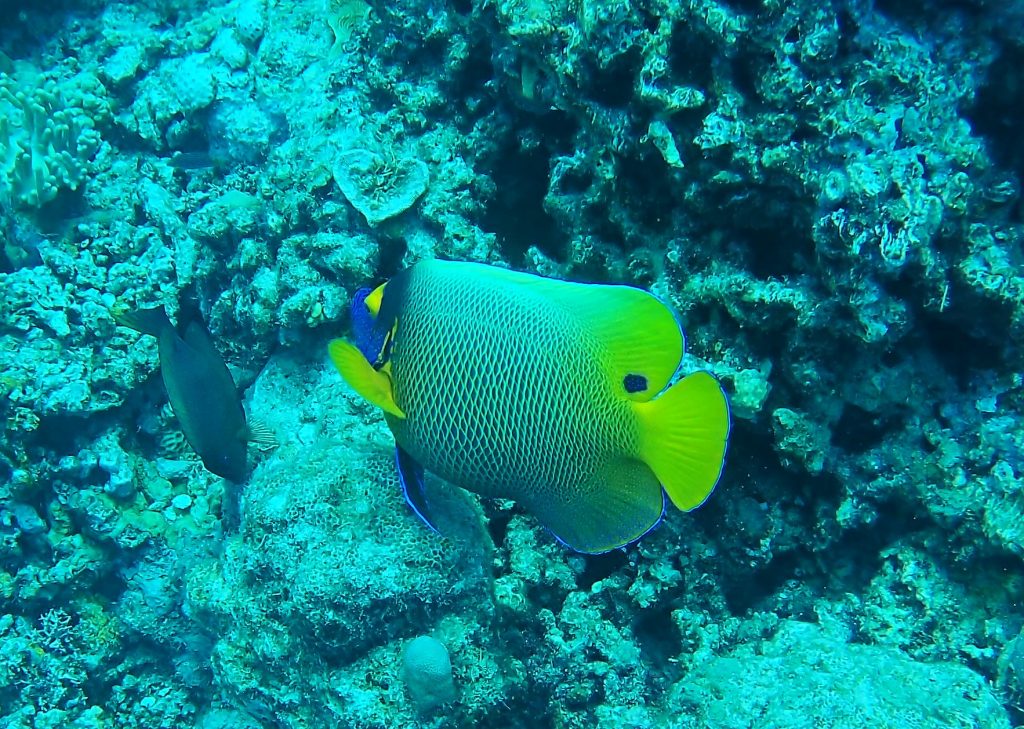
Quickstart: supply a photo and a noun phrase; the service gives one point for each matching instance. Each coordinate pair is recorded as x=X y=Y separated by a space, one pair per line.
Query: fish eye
x=634 y=383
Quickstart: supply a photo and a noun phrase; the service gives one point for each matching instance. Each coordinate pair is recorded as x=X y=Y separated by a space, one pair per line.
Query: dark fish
x=202 y=394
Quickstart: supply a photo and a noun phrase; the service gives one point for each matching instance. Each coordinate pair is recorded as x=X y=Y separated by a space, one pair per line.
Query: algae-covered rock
x=804 y=677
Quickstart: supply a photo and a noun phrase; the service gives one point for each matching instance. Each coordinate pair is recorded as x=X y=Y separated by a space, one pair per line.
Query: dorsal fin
x=640 y=335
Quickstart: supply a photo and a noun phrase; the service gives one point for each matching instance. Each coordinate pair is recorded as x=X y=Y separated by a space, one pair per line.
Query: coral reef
x=827 y=193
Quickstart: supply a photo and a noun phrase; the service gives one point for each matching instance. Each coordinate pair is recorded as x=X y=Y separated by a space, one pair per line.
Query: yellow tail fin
x=372 y=385
x=684 y=434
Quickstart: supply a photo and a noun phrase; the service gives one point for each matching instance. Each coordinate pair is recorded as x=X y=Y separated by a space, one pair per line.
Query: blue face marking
x=369 y=340
x=634 y=383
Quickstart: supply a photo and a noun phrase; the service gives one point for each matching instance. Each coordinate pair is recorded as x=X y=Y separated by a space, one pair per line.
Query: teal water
x=827 y=193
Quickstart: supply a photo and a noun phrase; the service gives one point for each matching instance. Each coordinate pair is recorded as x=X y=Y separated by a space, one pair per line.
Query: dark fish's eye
x=634 y=383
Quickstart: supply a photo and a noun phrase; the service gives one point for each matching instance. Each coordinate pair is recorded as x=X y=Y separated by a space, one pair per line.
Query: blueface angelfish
x=554 y=394
x=201 y=391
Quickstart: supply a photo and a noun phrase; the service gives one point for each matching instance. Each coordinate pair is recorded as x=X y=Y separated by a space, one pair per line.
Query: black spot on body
x=634 y=383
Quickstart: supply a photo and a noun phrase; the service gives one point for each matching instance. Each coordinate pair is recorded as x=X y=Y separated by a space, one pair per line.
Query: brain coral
x=427 y=672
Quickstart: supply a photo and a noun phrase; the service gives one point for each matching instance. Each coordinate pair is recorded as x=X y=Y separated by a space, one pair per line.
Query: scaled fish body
x=541 y=391
x=201 y=391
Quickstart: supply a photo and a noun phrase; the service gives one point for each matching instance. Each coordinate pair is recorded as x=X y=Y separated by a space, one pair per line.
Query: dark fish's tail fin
x=148 y=321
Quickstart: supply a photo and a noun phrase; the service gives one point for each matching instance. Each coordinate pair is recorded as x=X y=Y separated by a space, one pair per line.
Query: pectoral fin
x=372 y=385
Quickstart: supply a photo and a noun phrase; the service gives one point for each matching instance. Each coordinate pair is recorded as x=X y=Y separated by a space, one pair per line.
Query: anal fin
x=621 y=503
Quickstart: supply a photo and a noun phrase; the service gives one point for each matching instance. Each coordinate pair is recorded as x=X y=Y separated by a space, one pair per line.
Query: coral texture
x=828 y=194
